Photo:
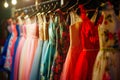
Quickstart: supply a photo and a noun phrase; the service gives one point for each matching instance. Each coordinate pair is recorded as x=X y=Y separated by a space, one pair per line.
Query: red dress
x=90 y=46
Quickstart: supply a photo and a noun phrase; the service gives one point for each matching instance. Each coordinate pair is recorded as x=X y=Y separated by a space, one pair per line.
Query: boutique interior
x=60 y=40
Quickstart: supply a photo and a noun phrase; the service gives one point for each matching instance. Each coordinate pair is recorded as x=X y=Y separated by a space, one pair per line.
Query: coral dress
x=29 y=48
x=74 y=48
x=90 y=45
x=18 y=52
x=107 y=64
x=15 y=48
x=10 y=50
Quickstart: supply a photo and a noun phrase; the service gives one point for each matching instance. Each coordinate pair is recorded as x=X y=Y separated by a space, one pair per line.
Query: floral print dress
x=107 y=64
x=62 y=44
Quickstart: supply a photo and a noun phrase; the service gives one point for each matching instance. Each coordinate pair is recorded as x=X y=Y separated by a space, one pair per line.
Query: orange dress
x=74 y=49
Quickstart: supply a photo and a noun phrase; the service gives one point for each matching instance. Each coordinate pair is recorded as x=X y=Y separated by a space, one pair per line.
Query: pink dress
x=28 y=51
x=10 y=50
x=74 y=49
x=18 y=52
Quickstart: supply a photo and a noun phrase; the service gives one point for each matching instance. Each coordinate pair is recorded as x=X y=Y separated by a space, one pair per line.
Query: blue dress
x=15 y=48
x=50 y=52
x=3 y=54
x=45 y=45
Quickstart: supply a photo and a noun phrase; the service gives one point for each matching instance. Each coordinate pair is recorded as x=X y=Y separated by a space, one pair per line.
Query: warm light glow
x=14 y=2
x=6 y=4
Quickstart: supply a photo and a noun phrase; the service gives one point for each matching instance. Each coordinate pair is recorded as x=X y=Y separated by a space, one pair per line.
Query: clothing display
x=37 y=59
x=15 y=48
x=73 y=42
x=90 y=47
x=18 y=52
x=4 y=51
x=107 y=63
x=28 y=50
x=62 y=45
x=10 y=50
x=50 y=50
x=74 y=49
x=45 y=44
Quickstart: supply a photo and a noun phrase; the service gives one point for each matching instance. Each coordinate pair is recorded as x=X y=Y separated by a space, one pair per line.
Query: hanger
x=54 y=8
x=72 y=7
x=68 y=5
x=44 y=8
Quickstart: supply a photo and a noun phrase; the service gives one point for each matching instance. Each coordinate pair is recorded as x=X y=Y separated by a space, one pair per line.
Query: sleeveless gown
x=18 y=52
x=45 y=44
x=4 y=51
x=107 y=64
x=62 y=45
x=74 y=48
x=90 y=47
x=15 y=48
x=50 y=51
x=10 y=50
x=37 y=59
x=28 y=51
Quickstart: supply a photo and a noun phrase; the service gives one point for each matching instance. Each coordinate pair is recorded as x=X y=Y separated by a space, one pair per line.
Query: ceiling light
x=14 y=2
x=6 y=4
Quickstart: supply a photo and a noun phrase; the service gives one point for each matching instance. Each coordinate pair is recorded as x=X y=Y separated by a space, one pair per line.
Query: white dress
x=107 y=64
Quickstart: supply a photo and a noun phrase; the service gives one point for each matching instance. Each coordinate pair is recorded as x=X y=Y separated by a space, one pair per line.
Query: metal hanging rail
x=41 y=3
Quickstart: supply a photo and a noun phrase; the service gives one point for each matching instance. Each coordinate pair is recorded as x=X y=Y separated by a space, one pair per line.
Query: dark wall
x=5 y=13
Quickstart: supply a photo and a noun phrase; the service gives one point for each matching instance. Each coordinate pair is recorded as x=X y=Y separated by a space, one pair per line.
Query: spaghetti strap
x=93 y=19
x=74 y=17
x=27 y=19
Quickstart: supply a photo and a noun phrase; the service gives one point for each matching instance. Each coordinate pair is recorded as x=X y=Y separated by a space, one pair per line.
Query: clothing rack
x=41 y=5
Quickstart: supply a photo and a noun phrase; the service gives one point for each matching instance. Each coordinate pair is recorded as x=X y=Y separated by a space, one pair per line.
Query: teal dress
x=50 y=52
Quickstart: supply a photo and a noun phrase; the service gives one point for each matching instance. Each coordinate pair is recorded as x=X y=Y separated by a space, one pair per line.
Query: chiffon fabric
x=14 y=55
x=10 y=50
x=107 y=64
x=37 y=59
x=50 y=51
x=29 y=48
x=62 y=46
x=45 y=44
x=74 y=48
x=90 y=47
x=18 y=52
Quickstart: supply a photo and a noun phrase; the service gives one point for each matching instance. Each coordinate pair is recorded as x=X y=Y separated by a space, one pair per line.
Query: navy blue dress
x=3 y=54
